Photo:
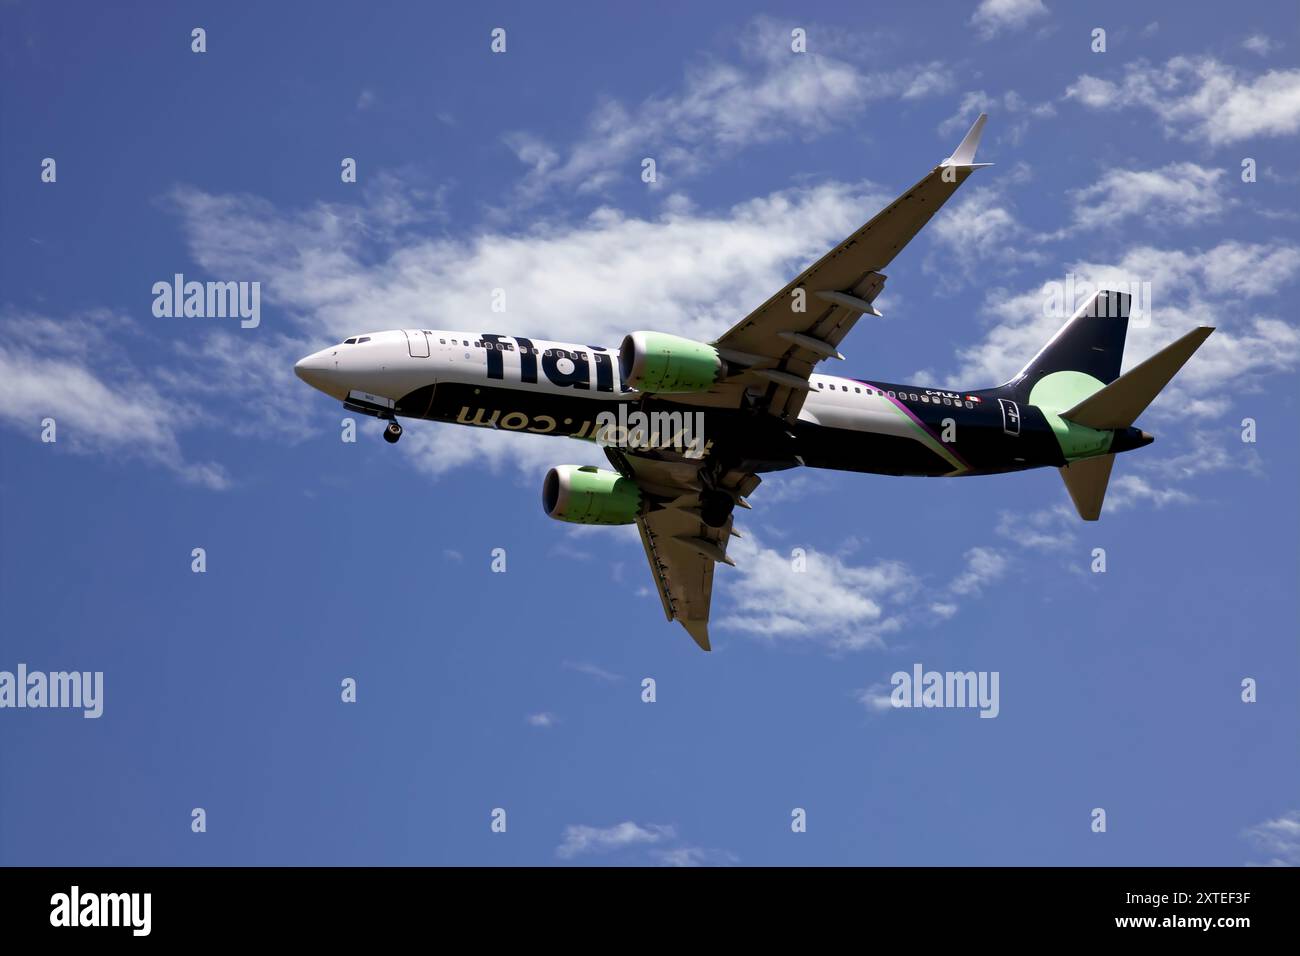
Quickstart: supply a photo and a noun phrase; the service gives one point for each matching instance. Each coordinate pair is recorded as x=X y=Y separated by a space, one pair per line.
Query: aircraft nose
x=312 y=368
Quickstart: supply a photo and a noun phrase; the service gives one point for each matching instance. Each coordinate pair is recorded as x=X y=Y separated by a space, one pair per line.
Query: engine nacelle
x=658 y=362
x=590 y=495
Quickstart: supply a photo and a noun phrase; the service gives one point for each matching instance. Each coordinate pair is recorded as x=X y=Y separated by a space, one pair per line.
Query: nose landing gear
x=392 y=433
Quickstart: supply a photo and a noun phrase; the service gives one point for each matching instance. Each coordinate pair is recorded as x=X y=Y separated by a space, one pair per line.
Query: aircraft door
x=1010 y=416
x=418 y=344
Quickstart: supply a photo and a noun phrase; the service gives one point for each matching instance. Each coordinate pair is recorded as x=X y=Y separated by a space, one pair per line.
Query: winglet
x=965 y=151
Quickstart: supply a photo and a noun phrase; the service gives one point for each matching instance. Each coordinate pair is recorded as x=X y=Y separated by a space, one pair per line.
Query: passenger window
x=891 y=394
x=970 y=404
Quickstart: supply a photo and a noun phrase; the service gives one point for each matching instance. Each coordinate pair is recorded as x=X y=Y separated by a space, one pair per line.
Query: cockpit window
x=351 y=341
x=364 y=338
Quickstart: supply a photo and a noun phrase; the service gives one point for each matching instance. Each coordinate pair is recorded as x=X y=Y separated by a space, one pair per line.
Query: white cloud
x=593 y=670
x=993 y=16
x=1125 y=491
x=1188 y=288
x=834 y=603
x=979 y=229
x=875 y=698
x=583 y=840
x=339 y=269
x=721 y=107
x=1011 y=111
x=983 y=567
x=1207 y=452
x=248 y=373
x=943 y=610
x=1201 y=98
x=99 y=402
x=1250 y=268
x=1182 y=193
x=579 y=840
x=1258 y=43
x=544 y=719
x=1137 y=479
x=1279 y=838
x=831 y=602
x=694 y=856
x=1046 y=529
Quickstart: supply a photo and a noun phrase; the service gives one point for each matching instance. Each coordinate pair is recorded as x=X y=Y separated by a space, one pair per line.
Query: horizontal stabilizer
x=1120 y=403
x=1086 y=481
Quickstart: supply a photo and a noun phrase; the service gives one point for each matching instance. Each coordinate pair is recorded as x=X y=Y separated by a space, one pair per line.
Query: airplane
x=759 y=403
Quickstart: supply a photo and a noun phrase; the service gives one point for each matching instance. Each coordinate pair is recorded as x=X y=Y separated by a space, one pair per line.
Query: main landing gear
x=716 y=507
x=392 y=433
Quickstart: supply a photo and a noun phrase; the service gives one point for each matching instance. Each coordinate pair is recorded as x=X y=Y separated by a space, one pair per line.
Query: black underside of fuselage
x=982 y=443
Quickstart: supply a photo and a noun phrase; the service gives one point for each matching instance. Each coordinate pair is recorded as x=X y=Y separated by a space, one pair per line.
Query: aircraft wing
x=680 y=547
x=777 y=345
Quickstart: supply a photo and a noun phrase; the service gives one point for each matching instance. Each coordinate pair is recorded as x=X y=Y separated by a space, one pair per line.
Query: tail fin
x=1086 y=481
x=1120 y=403
x=1091 y=343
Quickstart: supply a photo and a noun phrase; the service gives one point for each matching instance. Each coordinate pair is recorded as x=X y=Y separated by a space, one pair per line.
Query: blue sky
x=522 y=690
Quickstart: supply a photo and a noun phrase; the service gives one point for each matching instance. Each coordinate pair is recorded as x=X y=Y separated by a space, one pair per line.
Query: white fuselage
x=396 y=363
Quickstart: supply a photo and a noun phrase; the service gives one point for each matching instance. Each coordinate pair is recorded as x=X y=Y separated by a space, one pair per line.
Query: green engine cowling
x=658 y=362
x=590 y=495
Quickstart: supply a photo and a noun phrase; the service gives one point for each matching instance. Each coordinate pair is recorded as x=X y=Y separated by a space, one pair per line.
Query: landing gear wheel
x=392 y=433
x=716 y=507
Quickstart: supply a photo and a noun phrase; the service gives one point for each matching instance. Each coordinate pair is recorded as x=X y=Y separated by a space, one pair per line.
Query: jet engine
x=658 y=362
x=590 y=495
